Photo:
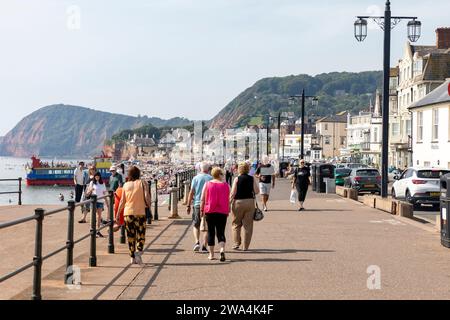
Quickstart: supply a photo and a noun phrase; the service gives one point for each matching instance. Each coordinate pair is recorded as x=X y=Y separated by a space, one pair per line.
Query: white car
x=419 y=185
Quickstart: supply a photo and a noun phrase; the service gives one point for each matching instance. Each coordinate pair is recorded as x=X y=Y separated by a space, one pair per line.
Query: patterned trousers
x=135 y=227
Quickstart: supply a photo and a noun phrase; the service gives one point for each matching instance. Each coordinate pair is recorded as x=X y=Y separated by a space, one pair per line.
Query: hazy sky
x=185 y=58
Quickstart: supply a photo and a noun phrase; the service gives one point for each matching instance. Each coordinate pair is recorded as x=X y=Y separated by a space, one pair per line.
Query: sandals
x=222 y=257
x=82 y=221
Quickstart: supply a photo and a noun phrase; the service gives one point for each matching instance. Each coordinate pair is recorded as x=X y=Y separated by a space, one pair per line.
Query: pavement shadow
x=281 y=251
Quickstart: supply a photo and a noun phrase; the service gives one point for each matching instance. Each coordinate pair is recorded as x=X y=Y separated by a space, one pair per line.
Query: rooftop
x=437 y=96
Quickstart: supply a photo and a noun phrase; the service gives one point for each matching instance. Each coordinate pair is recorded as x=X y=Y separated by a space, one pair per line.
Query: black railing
x=39 y=216
x=38 y=259
x=181 y=178
x=19 y=192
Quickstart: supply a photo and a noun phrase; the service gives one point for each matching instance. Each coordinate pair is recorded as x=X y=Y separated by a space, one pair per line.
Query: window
x=375 y=135
x=408 y=127
x=435 y=124
x=427 y=164
x=343 y=141
x=326 y=126
x=327 y=140
x=418 y=66
x=395 y=129
x=420 y=126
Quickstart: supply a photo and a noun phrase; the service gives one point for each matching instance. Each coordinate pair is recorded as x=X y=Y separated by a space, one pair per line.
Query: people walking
x=116 y=179
x=80 y=180
x=242 y=198
x=97 y=187
x=135 y=198
x=85 y=209
x=302 y=180
x=195 y=195
x=266 y=175
x=215 y=206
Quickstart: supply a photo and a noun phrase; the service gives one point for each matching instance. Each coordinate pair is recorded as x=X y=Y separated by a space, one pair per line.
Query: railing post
x=20 y=191
x=69 y=243
x=149 y=218
x=37 y=260
x=93 y=247
x=111 y=222
x=155 y=210
x=174 y=204
x=187 y=186
x=170 y=197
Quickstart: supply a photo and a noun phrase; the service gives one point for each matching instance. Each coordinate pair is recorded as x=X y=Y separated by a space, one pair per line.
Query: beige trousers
x=242 y=212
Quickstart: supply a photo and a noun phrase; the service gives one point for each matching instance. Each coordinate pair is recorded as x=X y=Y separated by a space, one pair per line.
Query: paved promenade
x=322 y=253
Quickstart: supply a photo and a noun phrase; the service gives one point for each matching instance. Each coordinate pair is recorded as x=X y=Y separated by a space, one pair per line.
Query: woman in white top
x=98 y=188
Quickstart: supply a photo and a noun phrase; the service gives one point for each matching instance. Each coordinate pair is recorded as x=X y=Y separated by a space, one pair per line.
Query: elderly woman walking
x=135 y=198
x=215 y=206
x=242 y=200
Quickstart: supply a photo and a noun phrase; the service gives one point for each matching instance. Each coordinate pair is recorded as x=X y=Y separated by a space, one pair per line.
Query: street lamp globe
x=360 y=29
x=414 y=30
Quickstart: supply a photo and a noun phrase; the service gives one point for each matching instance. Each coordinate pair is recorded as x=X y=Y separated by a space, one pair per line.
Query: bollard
x=69 y=243
x=187 y=186
x=111 y=222
x=174 y=204
x=37 y=259
x=93 y=248
x=155 y=210
x=20 y=191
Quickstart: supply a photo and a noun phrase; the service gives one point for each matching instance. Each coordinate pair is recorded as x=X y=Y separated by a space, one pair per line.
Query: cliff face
x=67 y=131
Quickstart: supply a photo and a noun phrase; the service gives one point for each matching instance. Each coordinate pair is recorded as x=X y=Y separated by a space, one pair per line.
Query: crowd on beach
x=217 y=192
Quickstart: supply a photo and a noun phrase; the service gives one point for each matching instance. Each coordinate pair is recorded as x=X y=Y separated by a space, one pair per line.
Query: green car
x=341 y=174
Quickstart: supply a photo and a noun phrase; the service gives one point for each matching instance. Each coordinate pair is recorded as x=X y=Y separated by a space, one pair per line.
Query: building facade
x=431 y=138
x=421 y=70
x=332 y=135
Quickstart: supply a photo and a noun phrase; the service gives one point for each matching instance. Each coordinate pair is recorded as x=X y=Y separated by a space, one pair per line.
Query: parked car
x=365 y=180
x=419 y=186
x=341 y=174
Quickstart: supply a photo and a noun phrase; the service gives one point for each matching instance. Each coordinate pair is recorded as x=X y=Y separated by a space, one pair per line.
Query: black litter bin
x=323 y=171
x=445 y=210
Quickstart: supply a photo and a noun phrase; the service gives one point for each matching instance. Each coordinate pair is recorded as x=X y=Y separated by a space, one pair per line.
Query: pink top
x=217 y=197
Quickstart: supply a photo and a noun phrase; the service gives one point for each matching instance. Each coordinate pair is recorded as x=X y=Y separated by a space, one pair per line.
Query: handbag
x=294 y=196
x=258 y=215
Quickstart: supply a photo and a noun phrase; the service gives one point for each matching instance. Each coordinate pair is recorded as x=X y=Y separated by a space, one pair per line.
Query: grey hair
x=205 y=166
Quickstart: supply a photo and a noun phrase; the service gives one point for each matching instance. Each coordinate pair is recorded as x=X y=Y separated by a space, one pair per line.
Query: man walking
x=266 y=175
x=195 y=195
x=80 y=180
x=116 y=180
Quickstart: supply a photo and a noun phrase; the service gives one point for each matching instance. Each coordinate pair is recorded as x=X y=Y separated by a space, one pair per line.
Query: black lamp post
x=315 y=102
x=386 y=23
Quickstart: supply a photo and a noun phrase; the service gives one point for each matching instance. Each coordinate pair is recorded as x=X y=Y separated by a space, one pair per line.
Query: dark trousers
x=216 y=224
x=78 y=192
x=302 y=191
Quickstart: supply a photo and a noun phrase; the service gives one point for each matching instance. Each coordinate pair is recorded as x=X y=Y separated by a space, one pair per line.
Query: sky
x=186 y=58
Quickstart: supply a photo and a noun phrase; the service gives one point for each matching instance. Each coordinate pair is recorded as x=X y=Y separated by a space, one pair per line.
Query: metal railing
x=180 y=178
x=19 y=192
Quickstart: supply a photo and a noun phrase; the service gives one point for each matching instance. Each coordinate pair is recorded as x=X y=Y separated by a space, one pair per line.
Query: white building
x=364 y=136
x=421 y=70
x=431 y=134
x=292 y=146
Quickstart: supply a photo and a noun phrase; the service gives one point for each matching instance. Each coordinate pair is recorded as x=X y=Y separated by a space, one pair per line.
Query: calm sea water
x=13 y=168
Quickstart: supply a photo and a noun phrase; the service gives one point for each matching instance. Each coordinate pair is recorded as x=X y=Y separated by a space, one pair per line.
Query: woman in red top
x=215 y=206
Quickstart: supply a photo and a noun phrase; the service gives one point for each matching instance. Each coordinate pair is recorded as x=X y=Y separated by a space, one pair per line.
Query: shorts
x=196 y=220
x=265 y=188
x=100 y=205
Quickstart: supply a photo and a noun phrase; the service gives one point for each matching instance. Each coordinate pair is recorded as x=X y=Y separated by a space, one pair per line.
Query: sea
x=13 y=168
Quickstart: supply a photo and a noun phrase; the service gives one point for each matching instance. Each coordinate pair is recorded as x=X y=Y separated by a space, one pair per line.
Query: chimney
x=443 y=38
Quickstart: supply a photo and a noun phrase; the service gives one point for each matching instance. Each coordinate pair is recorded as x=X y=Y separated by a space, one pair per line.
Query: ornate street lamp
x=386 y=23
x=414 y=30
x=360 y=29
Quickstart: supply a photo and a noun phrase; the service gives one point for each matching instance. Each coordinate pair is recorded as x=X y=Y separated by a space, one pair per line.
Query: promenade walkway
x=322 y=253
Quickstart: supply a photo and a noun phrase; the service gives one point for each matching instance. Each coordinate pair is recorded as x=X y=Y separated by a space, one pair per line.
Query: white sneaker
x=197 y=247
x=138 y=258
x=132 y=261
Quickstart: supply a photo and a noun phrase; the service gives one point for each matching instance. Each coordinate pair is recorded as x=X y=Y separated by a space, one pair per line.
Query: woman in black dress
x=302 y=180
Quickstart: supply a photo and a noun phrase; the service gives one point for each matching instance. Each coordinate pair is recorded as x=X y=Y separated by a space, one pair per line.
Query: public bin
x=330 y=185
x=324 y=171
x=445 y=210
